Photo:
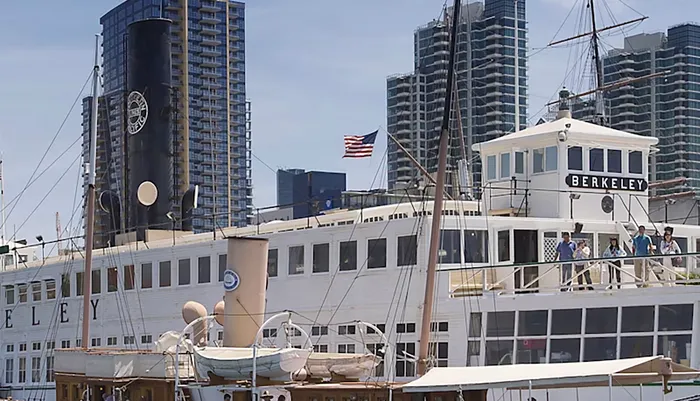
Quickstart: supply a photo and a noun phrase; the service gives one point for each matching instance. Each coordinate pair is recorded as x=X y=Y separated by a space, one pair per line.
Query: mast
x=90 y=224
x=437 y=203
x=2 y=205
x=600 y=110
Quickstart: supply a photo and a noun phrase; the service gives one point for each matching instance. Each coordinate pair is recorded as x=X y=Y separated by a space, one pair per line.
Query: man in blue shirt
x=565 y=251
x=642 y=246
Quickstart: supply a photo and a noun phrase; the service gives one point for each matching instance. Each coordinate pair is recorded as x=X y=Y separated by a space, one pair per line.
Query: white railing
x=595 y=274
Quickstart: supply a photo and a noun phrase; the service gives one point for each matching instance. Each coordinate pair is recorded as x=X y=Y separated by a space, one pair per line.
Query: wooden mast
x=90 y=199
x=437 y=203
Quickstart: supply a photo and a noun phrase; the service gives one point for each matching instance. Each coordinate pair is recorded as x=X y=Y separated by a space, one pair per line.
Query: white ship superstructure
x=499 y=294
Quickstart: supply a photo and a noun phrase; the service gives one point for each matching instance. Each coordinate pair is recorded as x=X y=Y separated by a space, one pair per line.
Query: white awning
x=553 y=375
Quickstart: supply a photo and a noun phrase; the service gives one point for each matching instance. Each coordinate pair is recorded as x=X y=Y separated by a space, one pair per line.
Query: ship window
x=323 y=347
x=347 y=329
x=675 y=317
x=65 y=343
x=634 y=347
x=564 y=350
x=296 y=259
x=500 y=324
x=405 y=328
x=475 y=324
x=10 y=294
x=538 y=161
x=476 y=246
x=635 y=162
x=164 y=275
x=439 y=327
x=36 y=346
x=601 y=320
x=566 y=321
x=96 y=342
x=405 y=367
x=111 y=341
x=36 y=291
x=112 y=279
x=614 y=161
x=9 y=348
x=504 y=246
x=440 y=351
x=22 y=376
x=505 y=165
x=319 y=330
x=499 y=352
x=22 y=347
x=271 y=262
x=49 y=369
x=321 y=258
x=65 y=285
x=79 y=284
x=519 y=163
x=204 y=269
x=676 y=347
x=376 y=253
x=346 y=348
x=407 y=250
x=531 y=350
x=348 y=255
x=183 y=272
x=222 y=265
x=575 y=158
x=146 y=339
x=131 y=340
x=96 y=281
x=129 y=277
x=50 y=289
x=491 y=167
x=532 y=323
x=599 y=348
x=146 y=275
x=9 y=370
x=36 y=369
x=22 y=289
x=596 y=161
x=450 y=246
x=550 y=158
x=636 y=319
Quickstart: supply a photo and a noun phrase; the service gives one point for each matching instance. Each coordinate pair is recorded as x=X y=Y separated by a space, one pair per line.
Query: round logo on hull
x=137 y=111
x=231 y=280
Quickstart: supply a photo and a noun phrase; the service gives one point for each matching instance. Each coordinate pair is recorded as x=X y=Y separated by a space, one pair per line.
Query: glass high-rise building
x=211 y=115
x=667 y=107
x=486 y=84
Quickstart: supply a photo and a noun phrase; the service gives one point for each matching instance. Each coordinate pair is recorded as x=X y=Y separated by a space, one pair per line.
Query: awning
x=624 y=372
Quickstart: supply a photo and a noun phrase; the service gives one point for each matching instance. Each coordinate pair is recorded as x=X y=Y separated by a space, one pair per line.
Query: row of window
x=506 y=165
x=35 y=373
x=162 y=273
x=604 y=160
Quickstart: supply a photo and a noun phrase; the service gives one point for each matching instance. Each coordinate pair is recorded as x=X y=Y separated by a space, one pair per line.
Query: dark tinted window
x=675 y=317
x=532 y=323
x=601 y=320
x=575 y=155
x=596 y=160
x=637 y=319
x=614 y=161
x=566 y=321
x=635 y=162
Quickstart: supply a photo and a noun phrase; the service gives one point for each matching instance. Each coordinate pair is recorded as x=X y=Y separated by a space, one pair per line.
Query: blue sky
x=316 y=70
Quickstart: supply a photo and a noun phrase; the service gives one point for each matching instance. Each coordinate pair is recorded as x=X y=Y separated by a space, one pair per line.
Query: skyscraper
x=211 y=116
x=285 y=185
x=667 y=107
x=486 y=86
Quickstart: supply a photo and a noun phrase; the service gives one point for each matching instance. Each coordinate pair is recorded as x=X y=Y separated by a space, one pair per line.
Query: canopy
x=624 y=372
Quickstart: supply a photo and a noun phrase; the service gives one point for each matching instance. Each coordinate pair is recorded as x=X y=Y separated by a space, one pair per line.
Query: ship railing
x=521 y=278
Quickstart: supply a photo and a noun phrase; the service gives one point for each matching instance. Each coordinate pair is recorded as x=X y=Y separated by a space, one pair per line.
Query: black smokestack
x=149 y=126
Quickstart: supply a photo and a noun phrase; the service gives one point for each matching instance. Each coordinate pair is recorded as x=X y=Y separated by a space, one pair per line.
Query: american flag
x=358 y=146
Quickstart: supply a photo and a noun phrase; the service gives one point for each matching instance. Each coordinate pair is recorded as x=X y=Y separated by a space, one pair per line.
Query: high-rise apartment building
x=486 y=86
x=211 y=130
x=667 y=107
x=285 y=185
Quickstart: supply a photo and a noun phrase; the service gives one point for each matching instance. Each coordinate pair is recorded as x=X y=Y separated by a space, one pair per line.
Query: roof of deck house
x=578 y=131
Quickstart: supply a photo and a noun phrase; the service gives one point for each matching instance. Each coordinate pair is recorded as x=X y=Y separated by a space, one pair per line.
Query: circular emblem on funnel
x=137 y=111
x=231 y=280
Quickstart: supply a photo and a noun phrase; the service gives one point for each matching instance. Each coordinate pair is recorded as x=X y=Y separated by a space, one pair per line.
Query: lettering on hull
x=46 y=313
x=586 y=181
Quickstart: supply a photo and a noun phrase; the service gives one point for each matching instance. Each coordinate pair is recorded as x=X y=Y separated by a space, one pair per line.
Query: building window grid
x=480 y=338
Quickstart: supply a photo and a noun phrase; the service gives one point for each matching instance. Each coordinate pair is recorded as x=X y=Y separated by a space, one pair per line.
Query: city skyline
x=308 y=89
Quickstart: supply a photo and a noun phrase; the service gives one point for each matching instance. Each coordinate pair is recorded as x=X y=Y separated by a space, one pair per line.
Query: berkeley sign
x=61 y=316
x=606 y=183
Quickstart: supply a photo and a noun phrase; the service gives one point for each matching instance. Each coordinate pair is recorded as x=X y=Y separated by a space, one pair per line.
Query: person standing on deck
x=582 y=252
x=565 y=251
x=642 y=246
